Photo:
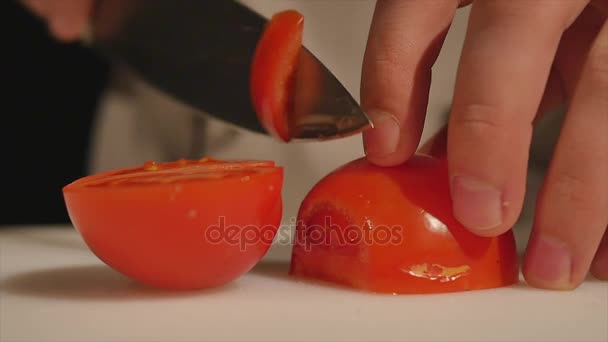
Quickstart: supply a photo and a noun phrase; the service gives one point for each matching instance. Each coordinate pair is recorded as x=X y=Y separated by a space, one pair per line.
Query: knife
x=199 y=52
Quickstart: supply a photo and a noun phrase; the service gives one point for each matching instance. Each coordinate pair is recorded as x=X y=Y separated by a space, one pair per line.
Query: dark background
x=49 y=104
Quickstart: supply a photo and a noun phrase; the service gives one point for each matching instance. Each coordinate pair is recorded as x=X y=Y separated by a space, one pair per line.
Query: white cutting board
x=54 y=289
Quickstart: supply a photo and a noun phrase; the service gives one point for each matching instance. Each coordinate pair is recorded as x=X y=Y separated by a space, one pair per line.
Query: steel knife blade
x=200 y=51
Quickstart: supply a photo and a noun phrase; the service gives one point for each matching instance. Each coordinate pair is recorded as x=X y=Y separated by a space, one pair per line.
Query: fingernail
x=548 y=263
x=477 y=205
x=384 y=138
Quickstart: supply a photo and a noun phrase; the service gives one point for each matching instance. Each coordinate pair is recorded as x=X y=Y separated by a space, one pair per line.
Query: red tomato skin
x=160 y=234
x=273 y=71
x=424 y=250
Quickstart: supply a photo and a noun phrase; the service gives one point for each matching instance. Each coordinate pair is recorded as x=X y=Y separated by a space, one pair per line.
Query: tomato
x=273 y=70
x=391 y=230
x=188 y=224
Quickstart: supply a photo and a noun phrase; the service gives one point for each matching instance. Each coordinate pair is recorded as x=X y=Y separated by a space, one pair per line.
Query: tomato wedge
x=273 y=71
x=391 y=230
x=187 y=224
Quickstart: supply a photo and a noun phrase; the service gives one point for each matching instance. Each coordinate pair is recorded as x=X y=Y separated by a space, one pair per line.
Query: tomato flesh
x=273 y=71
x=397 y=232
x=188 y=224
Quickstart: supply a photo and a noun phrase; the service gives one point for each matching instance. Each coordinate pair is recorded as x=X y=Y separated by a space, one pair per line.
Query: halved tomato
x=188 y=224
x=273 y=71
x=391 y=230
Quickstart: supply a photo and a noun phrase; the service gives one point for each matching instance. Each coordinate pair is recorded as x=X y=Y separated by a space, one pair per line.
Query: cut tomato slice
x=273 y=71
x=391 y=230
x=187 y=224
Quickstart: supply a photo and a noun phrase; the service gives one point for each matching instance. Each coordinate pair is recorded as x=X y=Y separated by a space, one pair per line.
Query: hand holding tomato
x=520 y=58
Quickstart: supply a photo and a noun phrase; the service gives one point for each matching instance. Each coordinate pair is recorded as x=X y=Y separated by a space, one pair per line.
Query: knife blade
x=199 y=52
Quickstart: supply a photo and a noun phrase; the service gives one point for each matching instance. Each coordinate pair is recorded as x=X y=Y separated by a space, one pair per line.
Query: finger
x=404 y=41
x=572 y=216
x=574 y=46
x=505 y=64
x=571 y=54
x=574 y=49
x=68 y=19
x=599 y=267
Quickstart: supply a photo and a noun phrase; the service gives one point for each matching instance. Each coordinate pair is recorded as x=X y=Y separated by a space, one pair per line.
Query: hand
x=520 y=58
x=67 y=19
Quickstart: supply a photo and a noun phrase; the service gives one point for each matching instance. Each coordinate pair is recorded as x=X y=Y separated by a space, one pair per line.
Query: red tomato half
x=391 y=230
x=273 y=71
x=188 y=224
